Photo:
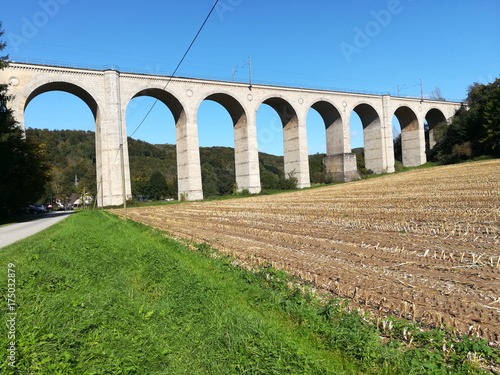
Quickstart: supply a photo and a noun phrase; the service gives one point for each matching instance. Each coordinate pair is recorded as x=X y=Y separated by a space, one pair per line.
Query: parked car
x=37 y=209
x=41 y=208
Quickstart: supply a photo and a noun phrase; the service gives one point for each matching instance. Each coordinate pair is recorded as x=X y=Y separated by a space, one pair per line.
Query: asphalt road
x=15 y=232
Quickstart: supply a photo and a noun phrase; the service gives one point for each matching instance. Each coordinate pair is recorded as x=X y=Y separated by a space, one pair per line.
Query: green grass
x=399 y=168
x=96 y=295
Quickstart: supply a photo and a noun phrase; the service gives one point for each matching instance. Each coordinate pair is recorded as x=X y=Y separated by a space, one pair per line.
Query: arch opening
x=325 y=138
x=409 y=148
x=153 y=169
x=356 y=138
x=432 y=119
x=368 y=116
x=284 y=110
x=396 y=140
x=316 y=134
x=220 y=178
x=68 y=88
x=372 y=138
x=334 y=140
x=64 y=118
x=170 y=101
x=232 y=106
x=269 y=131
x=286 y=124
x=217 y=115
x=215 y=125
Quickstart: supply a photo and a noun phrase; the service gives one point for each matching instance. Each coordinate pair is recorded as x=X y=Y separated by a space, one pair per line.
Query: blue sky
x=448 y=44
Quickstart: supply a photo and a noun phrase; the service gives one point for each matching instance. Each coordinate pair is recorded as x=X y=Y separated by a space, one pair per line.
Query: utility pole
x=123 y=179
x=122 y=164
x=233 y=73
x=102 y=197
x=421 y=89
x=250 y=70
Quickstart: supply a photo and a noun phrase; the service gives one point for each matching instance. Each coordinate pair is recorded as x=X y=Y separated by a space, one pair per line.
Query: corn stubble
x=422 y=245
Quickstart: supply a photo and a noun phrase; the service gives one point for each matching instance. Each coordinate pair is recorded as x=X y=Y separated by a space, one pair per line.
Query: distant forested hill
x=71 y=153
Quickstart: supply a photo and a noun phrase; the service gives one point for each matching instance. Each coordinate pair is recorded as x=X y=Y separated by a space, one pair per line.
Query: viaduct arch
x=108 y=92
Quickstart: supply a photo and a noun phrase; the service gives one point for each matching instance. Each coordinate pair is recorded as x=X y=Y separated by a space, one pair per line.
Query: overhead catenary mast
x=250 y=70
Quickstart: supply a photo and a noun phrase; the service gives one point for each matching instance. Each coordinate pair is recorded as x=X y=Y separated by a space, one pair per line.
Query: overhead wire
x=177 y=68
x=120 y=149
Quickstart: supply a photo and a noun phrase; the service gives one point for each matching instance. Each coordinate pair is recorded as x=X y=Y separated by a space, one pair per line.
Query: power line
x=178 y=65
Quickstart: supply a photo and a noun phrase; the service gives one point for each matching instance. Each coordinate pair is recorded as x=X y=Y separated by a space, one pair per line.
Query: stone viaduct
x=108 y=92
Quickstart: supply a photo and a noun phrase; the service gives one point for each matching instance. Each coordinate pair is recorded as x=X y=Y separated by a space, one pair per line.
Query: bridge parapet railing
x=149 y=71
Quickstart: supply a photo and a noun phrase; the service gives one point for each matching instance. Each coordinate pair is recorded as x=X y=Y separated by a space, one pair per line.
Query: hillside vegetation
x=474 y=132
x=71 y=153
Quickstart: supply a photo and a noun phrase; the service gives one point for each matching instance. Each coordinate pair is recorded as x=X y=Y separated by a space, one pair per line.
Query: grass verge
x=95 y=295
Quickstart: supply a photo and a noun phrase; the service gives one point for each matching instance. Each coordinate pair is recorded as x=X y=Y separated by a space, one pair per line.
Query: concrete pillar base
x=342 y=167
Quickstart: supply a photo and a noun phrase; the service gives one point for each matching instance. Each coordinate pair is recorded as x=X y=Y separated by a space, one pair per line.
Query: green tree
x=475 y=130
x=439 y=131
x=268 y=179
x=490 y=137
x=317 y=169
x=172 y=188
x=209 y=180
x=22 y=164
x=140 y=187
x=70 y=153
x=287 y=183
x=225 y=181
x=398 y=148
x=360 y=161
x=158 y=186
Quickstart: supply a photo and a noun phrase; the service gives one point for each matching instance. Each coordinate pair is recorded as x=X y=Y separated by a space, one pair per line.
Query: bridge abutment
x=342 y=167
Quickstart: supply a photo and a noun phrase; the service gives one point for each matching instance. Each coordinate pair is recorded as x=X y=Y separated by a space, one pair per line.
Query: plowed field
x=424 y=245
